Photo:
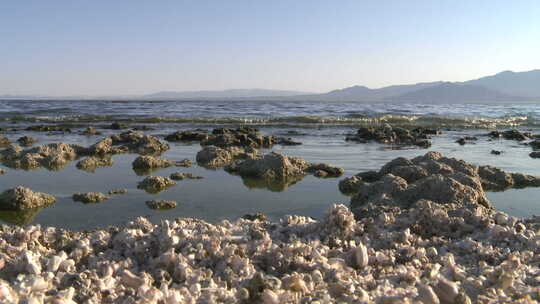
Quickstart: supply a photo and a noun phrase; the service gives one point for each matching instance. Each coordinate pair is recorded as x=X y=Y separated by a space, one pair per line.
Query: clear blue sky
x=133 y=47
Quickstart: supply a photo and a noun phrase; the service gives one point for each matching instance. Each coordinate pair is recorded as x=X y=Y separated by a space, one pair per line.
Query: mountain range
x=505 y=86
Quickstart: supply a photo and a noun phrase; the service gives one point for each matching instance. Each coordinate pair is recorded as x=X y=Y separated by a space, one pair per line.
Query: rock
x=161 y=204
x=118 y=191
x=386 y=134
x=156 y=184
x=181 y=176
x=46 y=128
x=496 y=152
x=4 y=142
x=187 y=136
x=2 y=171
x=216 y=157
x=535 y=154
x=90 y=131
x=287 y=141
x=240 y=137
x=510 y=135
x=90 y=197
x=255 y=217
x=431 y=177
x=350 y=185
x=184 y=163
x=325 y=170
x=466 y=140
x=27 y=141
x=91 y=163
x=534 y=144
x=140 y=143
x=118 y=126
x=52 y=156
x=147 y=162
x=21 y=198
x=271 y=166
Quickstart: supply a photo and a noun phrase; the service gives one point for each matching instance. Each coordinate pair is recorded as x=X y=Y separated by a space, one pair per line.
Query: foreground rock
x=4 y=142
x=386 y=134
x=428 y=253
x=156 y=184
x=90 y=164
x=90 y=197
x=21 y=198
x=161 y=204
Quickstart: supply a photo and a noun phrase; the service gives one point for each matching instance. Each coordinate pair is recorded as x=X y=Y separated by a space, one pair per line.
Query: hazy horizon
x=132 y=48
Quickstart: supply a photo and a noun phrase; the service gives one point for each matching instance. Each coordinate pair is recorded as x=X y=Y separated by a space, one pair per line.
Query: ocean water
x=320 y=126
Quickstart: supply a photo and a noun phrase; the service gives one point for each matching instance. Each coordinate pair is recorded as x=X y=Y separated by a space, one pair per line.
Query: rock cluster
x=226 y=137
x=147 y=162
x=428 y=253
x=21 y=198
x=155 y=184
x=90 y=197
x=386 y=134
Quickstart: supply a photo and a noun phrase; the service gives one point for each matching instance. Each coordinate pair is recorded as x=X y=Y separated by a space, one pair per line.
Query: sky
x=74 y=47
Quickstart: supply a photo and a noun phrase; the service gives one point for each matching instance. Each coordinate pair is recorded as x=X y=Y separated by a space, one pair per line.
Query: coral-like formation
x=161 y=204
x=387 y=134
x=156 y=184
x=21 y=198
x=90 y=197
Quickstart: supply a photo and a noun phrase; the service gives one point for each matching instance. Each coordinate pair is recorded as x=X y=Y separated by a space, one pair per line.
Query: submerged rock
x=496 y=152
x=27 y=141
x=156 y=184
x=161 y=204
x=187 y=136
x=118 y=191
x=90 y=197
x=91 y=163
x=184 y=163
x=535 y=154
x=48 y=128
x=386 y=134
x=181 y=176
x=90 y=131
x=21 y=198
x=325 y=170
x=510 y=135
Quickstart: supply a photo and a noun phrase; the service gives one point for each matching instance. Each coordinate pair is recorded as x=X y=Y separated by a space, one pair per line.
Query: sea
x=321 y=127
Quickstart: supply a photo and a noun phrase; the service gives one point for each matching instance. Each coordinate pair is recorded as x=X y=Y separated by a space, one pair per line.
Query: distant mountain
x=449 y=92
x=233 y=93
x=526 y=84
x=361 y=93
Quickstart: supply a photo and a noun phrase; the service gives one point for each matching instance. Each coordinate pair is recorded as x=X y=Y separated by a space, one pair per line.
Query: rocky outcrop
x=434 y=177
x=156 y=184
x=325 y=170
x=161 y=204
x=91 y=163
x=21 y=198
x=27 y=141
x=386 y=134
x=90 y=197
x=187 y=136
x=535 y=154
x=216 y=157
x=140 y=143
x=182 y=176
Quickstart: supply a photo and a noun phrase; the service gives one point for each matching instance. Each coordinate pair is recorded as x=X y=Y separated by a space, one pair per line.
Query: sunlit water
x=321 y=126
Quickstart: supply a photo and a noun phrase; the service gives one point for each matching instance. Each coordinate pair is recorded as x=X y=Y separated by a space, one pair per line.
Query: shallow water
x=223 y=196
